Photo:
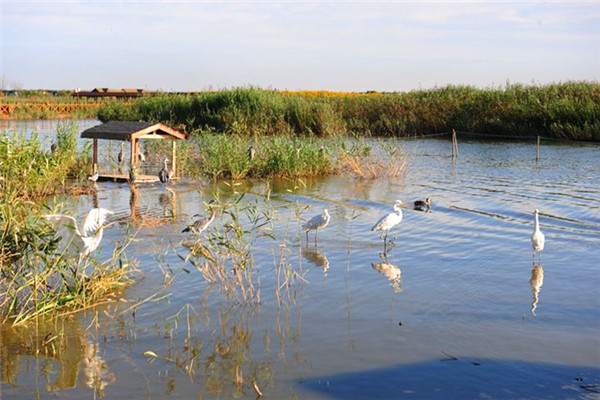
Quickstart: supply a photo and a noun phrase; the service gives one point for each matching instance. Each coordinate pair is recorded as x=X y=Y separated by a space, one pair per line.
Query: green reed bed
x=35 y=278
x=569 y=110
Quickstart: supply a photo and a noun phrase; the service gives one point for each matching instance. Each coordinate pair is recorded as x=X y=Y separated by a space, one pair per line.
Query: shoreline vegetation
x=563 y=111
x=560 y=111
x=37 y=280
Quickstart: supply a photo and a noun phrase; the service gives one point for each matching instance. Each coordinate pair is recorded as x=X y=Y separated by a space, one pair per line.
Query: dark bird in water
x=165 y=173
x=202 y=224
x=421 y=203
x=251 y=152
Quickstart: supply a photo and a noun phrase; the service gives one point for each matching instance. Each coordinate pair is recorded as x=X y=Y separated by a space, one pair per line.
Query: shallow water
x=456 y=322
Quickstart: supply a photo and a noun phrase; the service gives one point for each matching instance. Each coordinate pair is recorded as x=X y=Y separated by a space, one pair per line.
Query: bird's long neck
x=537 y=222
x=165 y=164
x=398 y=209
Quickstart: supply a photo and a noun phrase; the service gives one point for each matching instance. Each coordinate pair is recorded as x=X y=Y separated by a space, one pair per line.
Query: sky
x=350 y=46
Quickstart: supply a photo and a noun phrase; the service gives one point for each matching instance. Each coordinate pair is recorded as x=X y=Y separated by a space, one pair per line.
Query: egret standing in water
x=537 y=239
x=389 y=221
x=202 y=224
x=316 y=222
x=88 y=240
x=165 y=173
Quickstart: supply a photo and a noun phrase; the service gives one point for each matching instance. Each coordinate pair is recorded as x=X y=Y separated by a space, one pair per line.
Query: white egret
x=251 y=153
x=537 y=239
x=121 y=154
x=88 y=240
x=93 y=178
x=202 y=224
x=165 y=173
x=316 y=222
x=421 y=203
x=389 y=221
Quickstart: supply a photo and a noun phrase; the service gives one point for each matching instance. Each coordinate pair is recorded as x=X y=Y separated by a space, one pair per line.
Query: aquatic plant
x=35 y=279
x=38 y=280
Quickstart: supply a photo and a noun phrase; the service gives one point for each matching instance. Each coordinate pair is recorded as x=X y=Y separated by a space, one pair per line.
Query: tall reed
x=569 y=110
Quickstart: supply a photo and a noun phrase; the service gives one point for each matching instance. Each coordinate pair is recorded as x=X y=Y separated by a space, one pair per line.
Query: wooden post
x=95 y=160
x=133 y=152
x=537 y=149
x=174 y=158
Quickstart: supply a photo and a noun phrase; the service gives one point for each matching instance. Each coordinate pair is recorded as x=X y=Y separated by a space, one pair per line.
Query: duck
x=423 y=203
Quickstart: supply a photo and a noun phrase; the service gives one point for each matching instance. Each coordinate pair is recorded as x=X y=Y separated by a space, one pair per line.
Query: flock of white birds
x=88 y=240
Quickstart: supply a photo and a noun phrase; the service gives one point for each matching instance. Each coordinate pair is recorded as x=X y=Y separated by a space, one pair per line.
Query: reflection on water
x=536 y=281
x=390 y=271
x=316 y=258
x=64 y=343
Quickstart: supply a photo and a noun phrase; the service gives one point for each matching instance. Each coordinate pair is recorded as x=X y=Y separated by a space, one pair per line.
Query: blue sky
x=334 y=45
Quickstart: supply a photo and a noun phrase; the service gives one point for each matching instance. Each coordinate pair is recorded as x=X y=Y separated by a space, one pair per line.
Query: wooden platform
x=124 y=178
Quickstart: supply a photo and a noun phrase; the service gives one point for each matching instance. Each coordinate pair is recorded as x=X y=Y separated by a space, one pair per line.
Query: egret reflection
x=391 y=271
x=536 y=281
x=78 y=360
x=318 y=259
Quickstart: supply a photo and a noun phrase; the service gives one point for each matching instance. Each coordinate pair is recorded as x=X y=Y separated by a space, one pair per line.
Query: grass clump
x=35 y=278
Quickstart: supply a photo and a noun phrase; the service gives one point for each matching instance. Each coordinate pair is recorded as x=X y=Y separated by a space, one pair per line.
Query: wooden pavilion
x=133 y=132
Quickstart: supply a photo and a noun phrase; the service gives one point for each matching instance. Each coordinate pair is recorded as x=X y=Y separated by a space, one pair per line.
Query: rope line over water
x=491 y=136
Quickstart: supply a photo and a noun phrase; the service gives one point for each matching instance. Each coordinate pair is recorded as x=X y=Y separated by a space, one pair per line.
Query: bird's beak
x=109 y=212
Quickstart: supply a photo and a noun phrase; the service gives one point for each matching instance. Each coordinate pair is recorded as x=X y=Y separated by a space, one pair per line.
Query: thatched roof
x=126 y=130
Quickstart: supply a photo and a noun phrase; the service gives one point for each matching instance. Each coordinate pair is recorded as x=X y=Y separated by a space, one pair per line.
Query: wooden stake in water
x=537 y=150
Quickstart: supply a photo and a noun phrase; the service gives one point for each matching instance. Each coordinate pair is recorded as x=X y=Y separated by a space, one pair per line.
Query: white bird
x=93 y=178
x=389 y=221
x=201 y=225
x=88 y=240
x=165 y=173
x=251 y=153
x=121 y=154
x=537 y=239
x=141 y=155
x=316 y=222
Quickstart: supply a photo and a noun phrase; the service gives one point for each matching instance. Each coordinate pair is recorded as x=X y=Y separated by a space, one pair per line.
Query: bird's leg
x=385 y=244
x=316 y=231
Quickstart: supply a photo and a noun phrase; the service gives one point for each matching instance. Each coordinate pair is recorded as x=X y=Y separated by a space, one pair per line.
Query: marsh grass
x=389 y=161
x=569 y=110
x=35 y=279
x=38 y=281
x=221 y=359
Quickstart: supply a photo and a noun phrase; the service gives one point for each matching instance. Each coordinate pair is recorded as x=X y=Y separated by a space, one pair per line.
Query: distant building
x=106 y=92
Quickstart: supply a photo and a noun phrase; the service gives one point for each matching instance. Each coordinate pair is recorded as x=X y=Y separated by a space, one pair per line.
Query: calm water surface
x=458 y=309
